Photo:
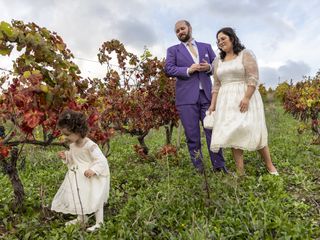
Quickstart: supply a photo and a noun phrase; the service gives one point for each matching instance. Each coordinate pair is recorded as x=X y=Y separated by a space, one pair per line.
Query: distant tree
x=140 y=95
x=281 y=90
x=263 y=91
x=303 y=102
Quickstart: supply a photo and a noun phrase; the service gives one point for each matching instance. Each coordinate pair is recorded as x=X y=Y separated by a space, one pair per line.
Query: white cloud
x=290 y=71
x=283 y=35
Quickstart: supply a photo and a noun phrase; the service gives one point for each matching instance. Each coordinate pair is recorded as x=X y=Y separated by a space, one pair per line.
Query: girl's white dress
x=77 y=190
x=246 y=131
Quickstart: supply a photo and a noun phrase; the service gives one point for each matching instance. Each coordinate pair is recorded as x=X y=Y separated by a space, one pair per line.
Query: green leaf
x=6 y=50
x=6 y=29
x=45 y=33
x=49 y=98
x=27 y=236
x=60 y=46
x=36 y=72
x=28 y=60
x=26 y=74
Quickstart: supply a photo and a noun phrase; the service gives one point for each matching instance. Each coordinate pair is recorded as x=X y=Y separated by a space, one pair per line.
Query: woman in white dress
x=239 y=114
x=85 y=188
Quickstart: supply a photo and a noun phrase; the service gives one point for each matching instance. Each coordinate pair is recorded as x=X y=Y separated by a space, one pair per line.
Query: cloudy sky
x=284 y=35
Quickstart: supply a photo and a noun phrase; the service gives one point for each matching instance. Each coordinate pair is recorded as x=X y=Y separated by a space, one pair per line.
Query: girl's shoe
x=274 y=173
x=78 y=220
x=94 y=227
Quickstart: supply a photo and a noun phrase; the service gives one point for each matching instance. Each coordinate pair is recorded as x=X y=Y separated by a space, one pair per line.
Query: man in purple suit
x=190 y=62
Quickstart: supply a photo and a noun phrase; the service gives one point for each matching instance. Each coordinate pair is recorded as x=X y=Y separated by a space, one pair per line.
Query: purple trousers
x=190 y=115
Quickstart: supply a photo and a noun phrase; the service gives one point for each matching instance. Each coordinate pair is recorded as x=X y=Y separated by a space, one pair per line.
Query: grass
x=164 y=198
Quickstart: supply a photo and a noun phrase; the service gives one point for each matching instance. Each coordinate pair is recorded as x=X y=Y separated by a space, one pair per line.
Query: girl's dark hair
x=74 y=122
x=237 y=46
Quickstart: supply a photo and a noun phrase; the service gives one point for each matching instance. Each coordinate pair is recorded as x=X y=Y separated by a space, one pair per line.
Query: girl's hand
x=62 y=155
x=244 y=104
x=89 y=173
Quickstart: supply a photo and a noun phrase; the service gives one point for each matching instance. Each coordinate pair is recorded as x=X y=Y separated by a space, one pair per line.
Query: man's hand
x=193 y=68
x=89 y=173
x=201 y=67
x=204 y=66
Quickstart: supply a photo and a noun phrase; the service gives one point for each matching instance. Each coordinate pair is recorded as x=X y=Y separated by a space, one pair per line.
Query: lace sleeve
x=251 y=68
x=216 y=81
x=99 y=162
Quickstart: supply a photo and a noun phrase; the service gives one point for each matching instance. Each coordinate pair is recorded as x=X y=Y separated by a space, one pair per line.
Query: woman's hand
x=62 y=155
x=211 y=109
x=89 y=173
x=244 y=104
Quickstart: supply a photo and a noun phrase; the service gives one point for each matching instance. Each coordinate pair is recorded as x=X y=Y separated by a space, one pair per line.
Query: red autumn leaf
x=4 y=151
x=24 y=128
x=20 y=100
x=93 y=118
x=56 y=133
x=74 y=106
x=35 y=78
x=32 y=118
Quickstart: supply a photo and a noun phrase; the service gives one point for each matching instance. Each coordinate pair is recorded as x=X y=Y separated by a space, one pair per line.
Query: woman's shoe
x=94 y=227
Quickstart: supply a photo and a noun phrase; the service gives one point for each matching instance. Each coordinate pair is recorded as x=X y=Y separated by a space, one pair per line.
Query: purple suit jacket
x=187 y=87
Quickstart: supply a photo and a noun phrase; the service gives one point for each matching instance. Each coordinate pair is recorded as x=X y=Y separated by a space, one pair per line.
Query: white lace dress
x=93 y=192
x=246 y=131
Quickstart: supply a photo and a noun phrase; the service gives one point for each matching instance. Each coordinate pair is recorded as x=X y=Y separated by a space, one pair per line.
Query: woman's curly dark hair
x=74 y=122
x=237 y=46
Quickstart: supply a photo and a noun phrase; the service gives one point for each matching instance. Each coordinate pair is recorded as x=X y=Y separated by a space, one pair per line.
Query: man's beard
x=185 y=38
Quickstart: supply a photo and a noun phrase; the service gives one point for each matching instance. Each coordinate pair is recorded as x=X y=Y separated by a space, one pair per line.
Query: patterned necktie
x=192 y=49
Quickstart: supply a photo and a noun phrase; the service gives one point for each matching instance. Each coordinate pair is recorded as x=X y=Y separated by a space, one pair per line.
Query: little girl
x=85 y=188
